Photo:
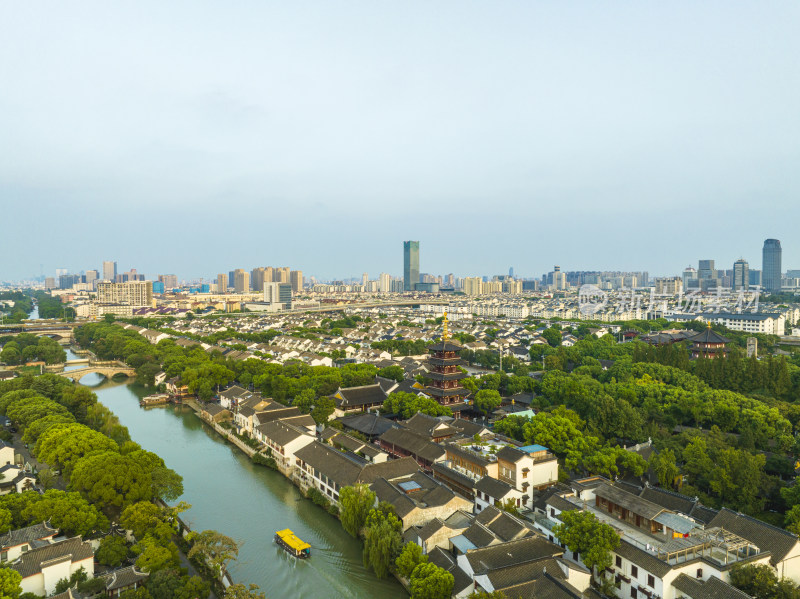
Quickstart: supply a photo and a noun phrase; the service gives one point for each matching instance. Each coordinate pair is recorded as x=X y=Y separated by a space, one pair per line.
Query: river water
x=248 y=503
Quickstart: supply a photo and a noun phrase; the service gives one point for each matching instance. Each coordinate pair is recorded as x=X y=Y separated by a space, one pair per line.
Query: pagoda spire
x=445 y=336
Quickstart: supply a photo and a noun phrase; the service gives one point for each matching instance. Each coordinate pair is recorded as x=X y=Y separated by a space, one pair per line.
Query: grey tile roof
x=512 y=553
x=361 y=396
x=712 y=588
x=510 y=454
x=496 y=489
x=766 y=537
x=503 y=578
x=669 y=499
x=549 y=586
x=124 y=577
x=369 y=424
x=280 y=433
x=642 y=558
x=73 y=549
x=21 y=536
x=413 y=443
x=444 y=560
x=634 y=503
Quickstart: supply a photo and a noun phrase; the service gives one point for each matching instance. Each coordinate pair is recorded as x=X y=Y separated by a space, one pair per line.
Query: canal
x=248 y=503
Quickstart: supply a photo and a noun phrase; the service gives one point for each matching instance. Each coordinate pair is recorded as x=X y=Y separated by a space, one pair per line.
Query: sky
x=199 y=137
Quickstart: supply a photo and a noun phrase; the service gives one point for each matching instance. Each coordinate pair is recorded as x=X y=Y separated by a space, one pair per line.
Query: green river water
x=248 y=503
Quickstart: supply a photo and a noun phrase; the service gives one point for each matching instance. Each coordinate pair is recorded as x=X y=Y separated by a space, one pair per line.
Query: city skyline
x=720 y=265
x=652 y=122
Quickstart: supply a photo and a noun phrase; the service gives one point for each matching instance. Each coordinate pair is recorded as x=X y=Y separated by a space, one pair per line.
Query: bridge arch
x=106 y=371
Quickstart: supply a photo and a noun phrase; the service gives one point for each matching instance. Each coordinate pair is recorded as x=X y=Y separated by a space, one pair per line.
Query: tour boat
x=292 y=544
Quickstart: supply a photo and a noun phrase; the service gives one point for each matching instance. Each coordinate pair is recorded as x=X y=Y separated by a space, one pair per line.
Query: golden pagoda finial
x=444 y=332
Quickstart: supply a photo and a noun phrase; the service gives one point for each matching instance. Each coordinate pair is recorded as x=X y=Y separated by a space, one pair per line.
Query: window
x=633 y=593
x=619 y=562
x=651 y=581
x=4 y=555
x=699 y=572
x=634 y=571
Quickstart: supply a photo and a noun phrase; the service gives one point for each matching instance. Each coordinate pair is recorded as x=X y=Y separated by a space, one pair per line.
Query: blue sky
x=198 y=137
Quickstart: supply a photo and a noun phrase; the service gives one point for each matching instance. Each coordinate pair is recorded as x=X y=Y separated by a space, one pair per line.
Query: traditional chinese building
x=708 y=344
x=445 y=374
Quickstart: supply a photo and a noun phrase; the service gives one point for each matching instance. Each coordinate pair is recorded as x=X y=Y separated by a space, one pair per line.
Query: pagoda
x=708 y=344
x=444 y=373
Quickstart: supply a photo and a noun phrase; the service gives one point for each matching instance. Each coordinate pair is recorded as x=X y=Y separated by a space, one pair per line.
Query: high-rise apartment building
x=690 y=278
x=231 y=279
x=257 y=278
x=296 y=280
x=755 y=278
x=222 y=283
x=771 y=266
x=49 y=283
x=269 y=274
x=559 y=279
x=741 y=274
x=109 y=271
x=385 y=282
x=170 y=281
x=364 y=279
x=131 y=293
x=241 y=281
x=410 y=265
x=472 y=285
x=92 y=276
x=282 y=274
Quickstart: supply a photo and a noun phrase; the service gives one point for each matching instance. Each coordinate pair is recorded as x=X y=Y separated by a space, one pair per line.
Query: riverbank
x=248 y=503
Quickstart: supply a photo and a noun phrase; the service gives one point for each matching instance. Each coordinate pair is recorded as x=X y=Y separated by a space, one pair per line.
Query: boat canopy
x=288 y=537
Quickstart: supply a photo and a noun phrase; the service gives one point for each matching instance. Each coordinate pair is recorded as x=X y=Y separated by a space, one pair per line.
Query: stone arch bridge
x=108 y=369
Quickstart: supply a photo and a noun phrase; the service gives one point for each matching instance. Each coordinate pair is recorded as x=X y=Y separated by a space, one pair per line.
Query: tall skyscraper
x=296 y=280
x=257 y=278
x=222 y=283
x=741 y=274
x=241 y=280
x=109 y=271
x=364 y=278
x=385 y=282
x=170 y=281
x=771 y=265
x=410 y=265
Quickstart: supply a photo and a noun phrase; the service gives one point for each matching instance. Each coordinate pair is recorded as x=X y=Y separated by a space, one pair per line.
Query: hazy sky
x=197 y=137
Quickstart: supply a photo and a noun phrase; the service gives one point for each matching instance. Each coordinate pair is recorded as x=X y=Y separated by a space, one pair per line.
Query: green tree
x=552 y=336
x=760 y=582
x=112 y=552
x=487 y=400
x=410 y=557
x=304 y=401
x=355 y=503
x=213 y=548
x=485 y=595
x=145 y=518
x=664 y=465
x=429 y=581
x=240 y=591
x=154 y=556
x=65 y=444
x=323 y=408
x=382 y=541
x=395 y=373
x=584 y=533
x=110 y=480
x=10 y=581
x=408 y=404
x=65 y=510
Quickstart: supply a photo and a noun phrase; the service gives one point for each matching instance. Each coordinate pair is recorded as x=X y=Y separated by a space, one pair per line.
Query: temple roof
x=709 y=336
